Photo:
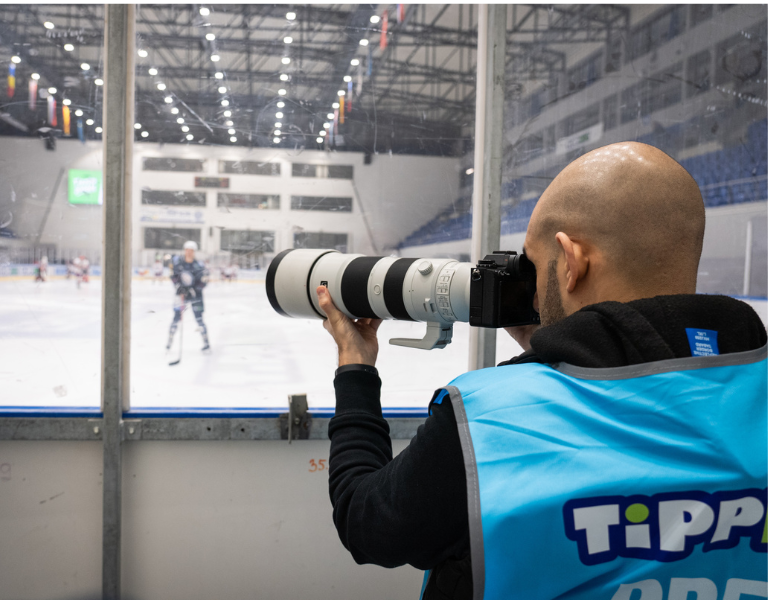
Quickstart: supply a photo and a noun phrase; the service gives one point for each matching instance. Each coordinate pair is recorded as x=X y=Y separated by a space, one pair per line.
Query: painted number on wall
x=317 y=465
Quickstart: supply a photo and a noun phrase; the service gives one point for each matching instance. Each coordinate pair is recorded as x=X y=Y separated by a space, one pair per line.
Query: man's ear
x=575 y=260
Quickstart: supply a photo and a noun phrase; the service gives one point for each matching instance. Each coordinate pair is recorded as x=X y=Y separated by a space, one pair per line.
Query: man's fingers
x=326 y=303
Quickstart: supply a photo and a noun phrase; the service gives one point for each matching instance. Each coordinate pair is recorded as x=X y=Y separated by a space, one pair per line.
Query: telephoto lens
x=434 y=290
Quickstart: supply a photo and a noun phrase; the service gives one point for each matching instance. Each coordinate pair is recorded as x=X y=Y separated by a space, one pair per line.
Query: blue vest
x=634 y=483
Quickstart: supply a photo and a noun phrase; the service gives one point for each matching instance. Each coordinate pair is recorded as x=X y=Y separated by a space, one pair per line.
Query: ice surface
x=50 y=347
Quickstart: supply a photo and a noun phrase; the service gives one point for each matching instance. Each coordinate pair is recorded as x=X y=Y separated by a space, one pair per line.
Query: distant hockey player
x=41 y=269
x=158 y=269
x=189 y=277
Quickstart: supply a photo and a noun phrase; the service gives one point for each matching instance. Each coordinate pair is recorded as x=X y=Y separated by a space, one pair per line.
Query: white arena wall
x=396 y=194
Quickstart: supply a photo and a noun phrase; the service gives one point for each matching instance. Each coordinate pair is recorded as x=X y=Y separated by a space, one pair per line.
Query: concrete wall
x=224 y=520
x=396 y=193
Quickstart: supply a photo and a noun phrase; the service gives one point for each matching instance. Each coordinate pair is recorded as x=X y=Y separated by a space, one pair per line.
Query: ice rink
x=50 y=346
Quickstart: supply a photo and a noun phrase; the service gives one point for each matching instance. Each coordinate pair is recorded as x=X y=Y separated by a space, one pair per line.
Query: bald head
x=636 y=206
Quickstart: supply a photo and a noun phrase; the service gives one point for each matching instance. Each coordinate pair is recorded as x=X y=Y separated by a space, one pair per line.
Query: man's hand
x=356 y=339
x=522 y=335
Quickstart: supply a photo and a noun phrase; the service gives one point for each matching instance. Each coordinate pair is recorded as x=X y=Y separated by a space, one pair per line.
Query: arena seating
x=733 y=175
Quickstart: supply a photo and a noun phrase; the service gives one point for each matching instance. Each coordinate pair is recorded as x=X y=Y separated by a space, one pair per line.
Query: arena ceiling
x=414 y=95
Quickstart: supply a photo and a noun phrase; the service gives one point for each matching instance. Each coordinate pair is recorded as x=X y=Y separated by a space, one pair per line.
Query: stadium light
x=210 y=37
x=335 y=105
x=375 y=19
x=69 y=47
x=347 y=78
x=89 y=122
x=319 y=140
x=85 y=67
x=152 y=71
x=363 y=42
x=137 y=125
x=185 y=129
x=354 y=62
x=323 y=133
x=222 y=90
x=276 y=140
x=285 y=60
x=227 y=113
x=280 y=104
x=326 y=125
x=228 y=123
x=48 y=25
x=288 y=39
x=278 y=125
x=168 y=99
x=52 y=90
x=145 y=134
x=205 y=11
x=174 y=111
x=231 y=131
x=233 y=139
x=35 y=76
x=225 y=102
x=279 y=115
x=66 y=102
x=161 y=86
x=282 y=92
x=283 y=77
x=78 y=113
x=15 y=60
x=341 y=93
x=180 y=120
x=190 y=137
x=290 y=16
x=98 y=81
x=215 y=57
x=330 y=116
x=142 y=53
x=219 y=75
x=98 y=130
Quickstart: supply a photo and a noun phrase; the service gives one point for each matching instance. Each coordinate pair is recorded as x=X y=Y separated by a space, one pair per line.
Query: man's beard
x=552 y=310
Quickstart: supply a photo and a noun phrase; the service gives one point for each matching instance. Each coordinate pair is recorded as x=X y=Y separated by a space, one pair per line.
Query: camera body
x=501 y=291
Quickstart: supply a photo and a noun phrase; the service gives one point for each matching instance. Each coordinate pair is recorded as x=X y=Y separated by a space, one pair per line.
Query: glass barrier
x=264 y=128
x=50 y=205
x=688 y=79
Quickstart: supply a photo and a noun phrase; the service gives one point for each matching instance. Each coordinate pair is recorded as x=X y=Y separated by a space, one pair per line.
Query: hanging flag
x=32 y=94
x=384 y=28
x=349 y=96
x=65 y=119
x=400 y=13
x=11 y=80
x=341 y=109
x=52 y=121
x=80 y=131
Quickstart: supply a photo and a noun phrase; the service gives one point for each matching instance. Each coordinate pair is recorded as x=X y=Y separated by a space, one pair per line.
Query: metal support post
x=119 y=51
x=489 y=131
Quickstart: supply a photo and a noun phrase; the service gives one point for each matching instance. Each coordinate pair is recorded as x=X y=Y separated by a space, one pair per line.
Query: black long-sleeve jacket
x=413 y=509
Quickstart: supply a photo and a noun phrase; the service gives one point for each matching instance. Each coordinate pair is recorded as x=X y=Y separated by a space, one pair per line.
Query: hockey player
x=157 y=268
x=189 y=277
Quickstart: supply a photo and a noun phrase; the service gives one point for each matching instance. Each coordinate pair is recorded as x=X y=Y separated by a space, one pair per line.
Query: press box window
x=162 y=238
x=257 y=201
x=322 y=171
x=245 y=242
x=187 y=165
x=168 y=198
x=244 y=167
x=306 y=239
x=327 y=203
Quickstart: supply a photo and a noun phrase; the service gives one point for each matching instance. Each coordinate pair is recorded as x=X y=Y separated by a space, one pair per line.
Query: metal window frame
x=115 y=423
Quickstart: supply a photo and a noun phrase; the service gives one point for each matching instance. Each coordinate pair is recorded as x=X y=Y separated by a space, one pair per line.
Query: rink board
x=51 y=331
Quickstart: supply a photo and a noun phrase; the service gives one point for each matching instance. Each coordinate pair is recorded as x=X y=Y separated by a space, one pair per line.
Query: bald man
x=570 y=472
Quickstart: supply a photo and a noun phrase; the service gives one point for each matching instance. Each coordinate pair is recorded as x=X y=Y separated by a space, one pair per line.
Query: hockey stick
x=181 y=337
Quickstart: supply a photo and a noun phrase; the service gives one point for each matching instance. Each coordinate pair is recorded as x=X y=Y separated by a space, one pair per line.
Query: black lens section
x=393 y=288
x=271 y=272
x=354 y=287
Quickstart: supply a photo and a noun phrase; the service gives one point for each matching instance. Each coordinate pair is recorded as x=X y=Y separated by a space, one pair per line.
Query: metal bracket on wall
x=297 y=422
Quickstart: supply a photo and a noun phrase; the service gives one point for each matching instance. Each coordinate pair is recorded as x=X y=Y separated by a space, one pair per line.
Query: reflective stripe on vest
x=642 y=482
